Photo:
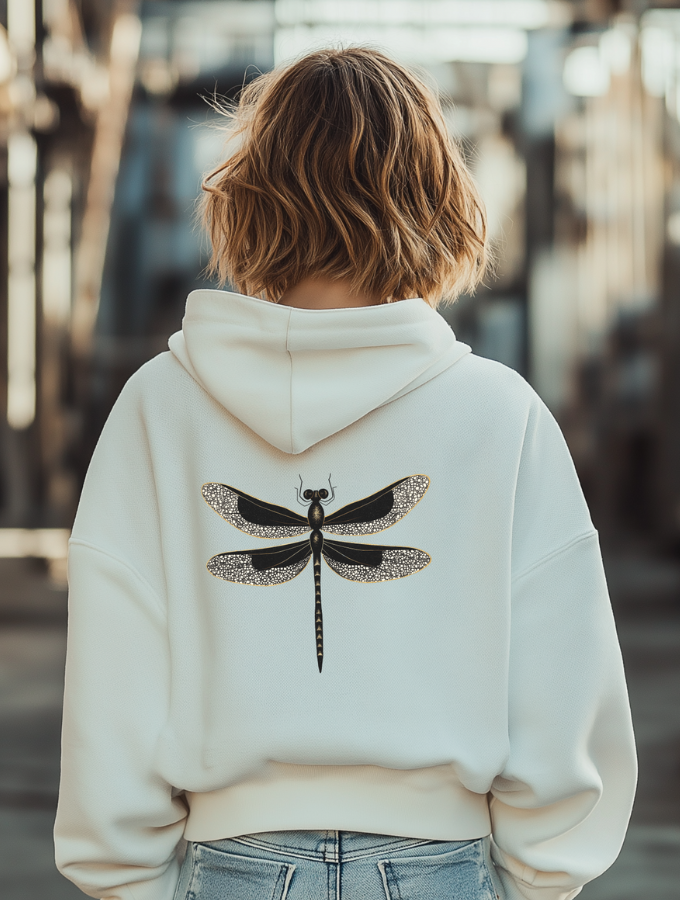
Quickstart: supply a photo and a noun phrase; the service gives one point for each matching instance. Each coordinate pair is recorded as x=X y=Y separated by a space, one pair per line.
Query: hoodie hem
x=420 y=803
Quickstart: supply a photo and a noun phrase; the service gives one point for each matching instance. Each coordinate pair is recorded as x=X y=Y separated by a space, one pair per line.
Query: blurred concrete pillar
x=553 y=316
x=544 y=100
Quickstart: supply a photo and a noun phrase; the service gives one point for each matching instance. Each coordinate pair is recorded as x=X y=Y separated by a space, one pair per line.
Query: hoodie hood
x=297 y=376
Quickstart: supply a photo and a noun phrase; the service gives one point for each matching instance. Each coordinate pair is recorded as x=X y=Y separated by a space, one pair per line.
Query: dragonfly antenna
x=299 y=491
x=332 y=496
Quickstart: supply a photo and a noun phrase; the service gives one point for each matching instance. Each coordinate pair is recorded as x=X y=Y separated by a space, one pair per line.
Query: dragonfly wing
x=380 y=510
x=371 y=562
x=270 y=565
x=255 y=517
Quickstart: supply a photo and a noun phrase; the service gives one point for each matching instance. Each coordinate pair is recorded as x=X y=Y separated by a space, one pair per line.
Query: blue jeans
x=337 y=865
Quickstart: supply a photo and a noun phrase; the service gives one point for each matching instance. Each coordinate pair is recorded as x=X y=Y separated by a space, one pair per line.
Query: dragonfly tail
x=318 y=617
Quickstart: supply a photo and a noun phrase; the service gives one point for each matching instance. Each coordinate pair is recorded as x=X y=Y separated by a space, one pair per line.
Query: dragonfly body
x=355 y=562
x=316 y=516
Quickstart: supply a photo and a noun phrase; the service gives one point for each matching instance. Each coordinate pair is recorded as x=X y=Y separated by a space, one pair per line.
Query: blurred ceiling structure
x=567 y=111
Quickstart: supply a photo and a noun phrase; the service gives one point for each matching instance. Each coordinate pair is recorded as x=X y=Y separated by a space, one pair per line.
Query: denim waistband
x=329 y=846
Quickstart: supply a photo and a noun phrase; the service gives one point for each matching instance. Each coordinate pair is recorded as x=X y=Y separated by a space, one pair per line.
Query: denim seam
x=332 y=841
x=378 y=851
x=194 y=872
x=281 y=851
x=434 y=856
x=338 y=871
x=321 y=857
x=289 y=869
x=390 y=883
x=330 y=879
x=483 y=862
x=383 y=875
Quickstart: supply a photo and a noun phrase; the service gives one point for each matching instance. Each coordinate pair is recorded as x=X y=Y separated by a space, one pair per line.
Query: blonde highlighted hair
x=344 y=168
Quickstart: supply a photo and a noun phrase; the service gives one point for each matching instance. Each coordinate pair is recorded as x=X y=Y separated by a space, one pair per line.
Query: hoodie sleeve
x=118 y=822
x=561 y=806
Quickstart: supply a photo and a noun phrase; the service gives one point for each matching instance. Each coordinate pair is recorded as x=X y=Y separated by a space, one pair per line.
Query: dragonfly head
x=315 y=495
x=320 y=496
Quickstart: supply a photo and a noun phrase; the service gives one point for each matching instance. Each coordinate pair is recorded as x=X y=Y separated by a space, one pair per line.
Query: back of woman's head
x=344 y=169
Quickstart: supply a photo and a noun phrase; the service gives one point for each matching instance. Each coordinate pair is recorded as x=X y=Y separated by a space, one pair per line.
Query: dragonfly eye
x=307 y=495
x=323 y=493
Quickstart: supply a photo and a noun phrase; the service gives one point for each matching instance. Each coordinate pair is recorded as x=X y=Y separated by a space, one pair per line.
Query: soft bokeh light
x=428 y=45
x=21 y=283
x=57 y=246
x=492 y=13
x=586 y=73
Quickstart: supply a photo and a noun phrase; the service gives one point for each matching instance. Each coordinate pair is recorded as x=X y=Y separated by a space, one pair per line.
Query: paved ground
x=646 y=597
x=32 y=618
x=32 y=645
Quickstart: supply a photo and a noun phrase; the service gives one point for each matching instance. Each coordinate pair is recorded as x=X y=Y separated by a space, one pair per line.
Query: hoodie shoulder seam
x=553 y=553
x=121 y=562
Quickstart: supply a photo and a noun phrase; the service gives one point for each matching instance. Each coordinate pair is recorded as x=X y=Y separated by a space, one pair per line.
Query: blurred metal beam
x=107 y=147
x=42 y=543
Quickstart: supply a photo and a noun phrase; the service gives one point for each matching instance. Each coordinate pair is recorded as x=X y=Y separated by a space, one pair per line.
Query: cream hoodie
x=355 y=487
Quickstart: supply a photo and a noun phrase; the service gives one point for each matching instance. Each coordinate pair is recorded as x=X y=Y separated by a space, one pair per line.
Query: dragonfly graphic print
x=356 y=562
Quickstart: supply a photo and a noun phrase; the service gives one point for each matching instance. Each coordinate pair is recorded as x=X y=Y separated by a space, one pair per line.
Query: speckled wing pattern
x=270 y=565
x=380 y=510
x=253 y=516
x=371 y=562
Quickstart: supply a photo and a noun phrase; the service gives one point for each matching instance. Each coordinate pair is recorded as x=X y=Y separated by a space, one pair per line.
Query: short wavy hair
x=344 y=168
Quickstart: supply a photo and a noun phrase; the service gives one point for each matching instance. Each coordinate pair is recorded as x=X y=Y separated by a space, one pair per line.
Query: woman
x=434 y=710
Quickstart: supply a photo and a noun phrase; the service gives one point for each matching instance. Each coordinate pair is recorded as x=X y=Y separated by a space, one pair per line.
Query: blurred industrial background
x=569 y=116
